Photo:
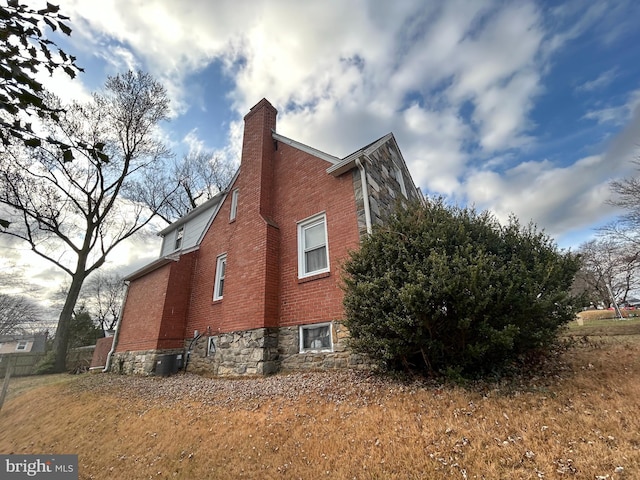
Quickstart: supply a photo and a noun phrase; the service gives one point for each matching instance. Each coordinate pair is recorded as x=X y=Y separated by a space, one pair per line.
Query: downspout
x=365 y=195
x=114 y=344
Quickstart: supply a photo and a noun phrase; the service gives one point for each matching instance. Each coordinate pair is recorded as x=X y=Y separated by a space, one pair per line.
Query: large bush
x=441 y=289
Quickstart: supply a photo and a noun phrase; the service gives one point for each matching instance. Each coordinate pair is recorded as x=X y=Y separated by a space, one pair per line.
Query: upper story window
x=234 y=205
x=179 y=236
x=221 y=267
x=313 y=246
x=22 y=345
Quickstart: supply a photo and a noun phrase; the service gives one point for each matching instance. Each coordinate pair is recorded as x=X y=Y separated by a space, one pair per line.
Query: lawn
x=579 y=420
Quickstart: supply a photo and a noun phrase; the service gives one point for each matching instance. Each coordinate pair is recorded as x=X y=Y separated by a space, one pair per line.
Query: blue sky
x=521 y=107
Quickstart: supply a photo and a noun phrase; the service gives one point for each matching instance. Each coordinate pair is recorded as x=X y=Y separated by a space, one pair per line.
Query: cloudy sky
x=516 y=106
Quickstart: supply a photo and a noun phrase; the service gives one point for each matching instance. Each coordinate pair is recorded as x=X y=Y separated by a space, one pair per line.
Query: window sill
x=314 y=277
x=216 y=301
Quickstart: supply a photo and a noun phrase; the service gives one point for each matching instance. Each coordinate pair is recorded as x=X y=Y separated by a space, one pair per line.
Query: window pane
x=316 y=338
x=223 y=267
x=316 y=259
x=314 y=236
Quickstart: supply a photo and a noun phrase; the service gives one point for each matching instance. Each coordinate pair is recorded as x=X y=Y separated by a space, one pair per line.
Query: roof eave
x=345 y=164
x=182 y=220
x=305 y=148
x=150 y=267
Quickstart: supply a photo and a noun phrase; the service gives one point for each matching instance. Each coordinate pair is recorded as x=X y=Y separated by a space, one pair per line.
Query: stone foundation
x=262 y=351
x=138 y=363
x=291 y=359
x=250 y=352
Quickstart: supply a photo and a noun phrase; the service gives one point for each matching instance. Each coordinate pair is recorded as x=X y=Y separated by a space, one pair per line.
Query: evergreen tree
x=442 y=289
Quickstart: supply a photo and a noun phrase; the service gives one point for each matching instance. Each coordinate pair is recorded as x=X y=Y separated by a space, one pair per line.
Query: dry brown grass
x=582 y=423
x=590 y=315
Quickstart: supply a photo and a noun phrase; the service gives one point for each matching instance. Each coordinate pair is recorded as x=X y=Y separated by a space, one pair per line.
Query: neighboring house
x=22 y=352
x=32 y=343
x=249 y=282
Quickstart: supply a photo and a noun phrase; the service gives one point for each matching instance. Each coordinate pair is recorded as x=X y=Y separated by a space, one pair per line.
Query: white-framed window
x=179 y=236
x=211 y=346
x=316 y=338
x=313 y=246
x=234 y=205
x=22 y=345
x=400 y=179
x=221 y=267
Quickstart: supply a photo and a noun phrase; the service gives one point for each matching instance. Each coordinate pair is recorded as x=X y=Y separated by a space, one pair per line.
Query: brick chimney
x=254 y=252
x=258 y=150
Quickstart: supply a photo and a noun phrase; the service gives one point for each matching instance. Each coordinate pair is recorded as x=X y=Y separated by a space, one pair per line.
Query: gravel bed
x=348 y=386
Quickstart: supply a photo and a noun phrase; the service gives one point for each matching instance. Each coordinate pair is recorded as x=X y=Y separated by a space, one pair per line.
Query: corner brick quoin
x=253 y=328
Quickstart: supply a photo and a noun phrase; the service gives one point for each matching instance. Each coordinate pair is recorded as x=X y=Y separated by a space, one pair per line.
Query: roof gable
x=348 y=162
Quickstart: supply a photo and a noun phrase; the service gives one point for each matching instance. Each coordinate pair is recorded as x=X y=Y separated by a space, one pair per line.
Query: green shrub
x=441 y=288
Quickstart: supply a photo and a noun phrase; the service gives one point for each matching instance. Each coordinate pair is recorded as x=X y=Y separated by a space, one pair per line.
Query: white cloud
x=457 y=82
x=616 y=114
x=602 y=80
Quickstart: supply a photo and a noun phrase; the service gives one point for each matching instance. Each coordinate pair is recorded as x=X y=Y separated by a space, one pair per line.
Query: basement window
x=316 y=338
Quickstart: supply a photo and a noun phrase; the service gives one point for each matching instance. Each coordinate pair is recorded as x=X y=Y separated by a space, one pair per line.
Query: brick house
x=249 y=282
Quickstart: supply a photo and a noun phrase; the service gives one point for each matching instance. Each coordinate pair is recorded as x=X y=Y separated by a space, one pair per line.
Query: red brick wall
x=246 y=241
x=176 y=304
x=143 y=311
x=156 y=309
x=101 y=352
x=303 y=189
x=261 y=285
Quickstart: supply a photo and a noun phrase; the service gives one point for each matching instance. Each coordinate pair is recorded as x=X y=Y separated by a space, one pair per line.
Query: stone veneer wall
x=249 y=352
x=138 y=363
x=264 y=351
x=341 y=357
x=261 y=351
x=384 y=190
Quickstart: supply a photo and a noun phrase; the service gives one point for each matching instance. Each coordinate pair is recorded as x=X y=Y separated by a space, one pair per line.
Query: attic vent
x=400 y=179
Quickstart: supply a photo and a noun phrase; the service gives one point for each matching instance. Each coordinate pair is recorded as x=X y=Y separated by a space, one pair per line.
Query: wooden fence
x=24 y=363
x=78 y=360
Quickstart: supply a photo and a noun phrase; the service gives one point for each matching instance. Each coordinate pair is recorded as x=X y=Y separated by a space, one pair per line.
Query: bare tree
x=194 y=179
x=72 y=213
x=103 y=295
x=18 y=314
x=608 y=263
x=626 y=195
